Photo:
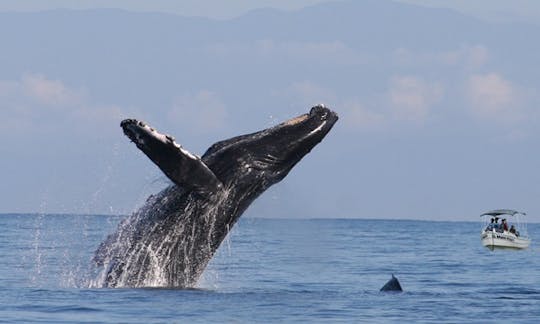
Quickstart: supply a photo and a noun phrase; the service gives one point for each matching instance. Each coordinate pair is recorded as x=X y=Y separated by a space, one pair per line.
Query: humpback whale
x=392 y=285
x=169 y=241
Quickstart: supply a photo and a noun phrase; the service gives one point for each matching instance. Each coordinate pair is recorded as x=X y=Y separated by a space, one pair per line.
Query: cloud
x=411 y=97
x=408 y=99
x=358 y=117
x=470 y=56
x=494 y=98
x=466 y=56
x=354 y=113
x=49 y=92
x=202 y=112
x=36 y=104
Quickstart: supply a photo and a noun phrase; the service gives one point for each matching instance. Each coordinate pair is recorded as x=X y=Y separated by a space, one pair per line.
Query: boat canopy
x=499 y=212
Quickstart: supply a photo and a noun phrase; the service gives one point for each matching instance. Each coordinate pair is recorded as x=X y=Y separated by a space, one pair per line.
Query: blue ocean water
x=277 y=270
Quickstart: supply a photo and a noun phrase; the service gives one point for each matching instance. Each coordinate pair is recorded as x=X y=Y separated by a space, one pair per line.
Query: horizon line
x=4 y=214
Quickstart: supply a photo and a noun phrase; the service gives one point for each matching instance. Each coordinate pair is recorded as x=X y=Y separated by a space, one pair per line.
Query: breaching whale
x=169 y=241
x=392 y=285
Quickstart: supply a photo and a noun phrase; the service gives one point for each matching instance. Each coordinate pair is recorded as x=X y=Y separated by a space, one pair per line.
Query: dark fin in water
x=392 y=285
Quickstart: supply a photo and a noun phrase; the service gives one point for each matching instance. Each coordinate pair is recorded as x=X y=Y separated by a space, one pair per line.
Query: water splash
x=38 y=262
x=162 y=245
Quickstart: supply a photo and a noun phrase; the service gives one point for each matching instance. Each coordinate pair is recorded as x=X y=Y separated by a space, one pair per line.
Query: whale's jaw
x=270 y=153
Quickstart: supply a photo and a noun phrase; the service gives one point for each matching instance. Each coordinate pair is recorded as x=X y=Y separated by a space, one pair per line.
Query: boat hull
x=506 y=240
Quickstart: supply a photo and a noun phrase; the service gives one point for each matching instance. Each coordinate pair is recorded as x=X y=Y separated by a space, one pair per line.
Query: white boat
x=509 y=235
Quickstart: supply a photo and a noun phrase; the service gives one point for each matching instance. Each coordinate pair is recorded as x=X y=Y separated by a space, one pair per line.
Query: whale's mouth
x=319 y=112
x=289 y=141
x=323 y=114
x=312 y=126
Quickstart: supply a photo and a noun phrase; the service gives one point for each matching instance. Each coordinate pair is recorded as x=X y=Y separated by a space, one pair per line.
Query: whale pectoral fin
x=190 y=172
x=183 y=168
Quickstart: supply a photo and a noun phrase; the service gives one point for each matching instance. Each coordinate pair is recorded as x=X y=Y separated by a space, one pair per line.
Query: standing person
x=490 y=226
x=504 y=225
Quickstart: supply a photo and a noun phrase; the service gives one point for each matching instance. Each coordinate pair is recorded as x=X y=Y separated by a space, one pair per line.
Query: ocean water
x=277 y=270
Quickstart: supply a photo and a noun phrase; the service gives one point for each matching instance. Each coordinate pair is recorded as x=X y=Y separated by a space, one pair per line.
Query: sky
x=437 y=101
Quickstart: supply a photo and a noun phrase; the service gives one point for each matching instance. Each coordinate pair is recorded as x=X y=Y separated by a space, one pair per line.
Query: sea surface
x=277 y=270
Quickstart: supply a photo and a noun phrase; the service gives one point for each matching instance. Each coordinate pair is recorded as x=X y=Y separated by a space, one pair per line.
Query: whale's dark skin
x=171 y=239
x=392 y=285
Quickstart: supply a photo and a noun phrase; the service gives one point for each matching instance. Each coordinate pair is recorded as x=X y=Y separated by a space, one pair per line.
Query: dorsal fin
x=183 y=168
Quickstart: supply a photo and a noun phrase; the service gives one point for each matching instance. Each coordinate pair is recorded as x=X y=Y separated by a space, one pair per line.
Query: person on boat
x=504 y=225
x=490 y=225
x=496 y=226
x=512 y=229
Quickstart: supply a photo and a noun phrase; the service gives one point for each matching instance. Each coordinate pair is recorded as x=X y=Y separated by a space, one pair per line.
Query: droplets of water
x=228 y=240
x=160 y=247
x=58 y=249
x=37 y=250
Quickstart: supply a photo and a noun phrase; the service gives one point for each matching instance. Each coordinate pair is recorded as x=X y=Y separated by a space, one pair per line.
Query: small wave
x=512 y=291
x=73 y=309
x=57 y=309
